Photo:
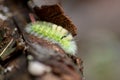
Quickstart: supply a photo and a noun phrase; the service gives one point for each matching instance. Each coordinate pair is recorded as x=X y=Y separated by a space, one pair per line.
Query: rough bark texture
x=13 y=43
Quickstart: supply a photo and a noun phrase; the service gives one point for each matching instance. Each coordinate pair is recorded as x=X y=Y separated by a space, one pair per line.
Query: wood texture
x=15 y=67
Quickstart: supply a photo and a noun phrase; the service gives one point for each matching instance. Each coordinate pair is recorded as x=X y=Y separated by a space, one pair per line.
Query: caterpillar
x=54 y=33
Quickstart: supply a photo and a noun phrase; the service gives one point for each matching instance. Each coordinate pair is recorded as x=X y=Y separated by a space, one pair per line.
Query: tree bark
x=17 y=47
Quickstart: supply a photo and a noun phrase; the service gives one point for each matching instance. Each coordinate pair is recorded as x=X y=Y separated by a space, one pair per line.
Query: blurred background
x=98 y=23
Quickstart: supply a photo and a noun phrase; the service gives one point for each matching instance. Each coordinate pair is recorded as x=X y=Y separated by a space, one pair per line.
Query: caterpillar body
x=54 y=33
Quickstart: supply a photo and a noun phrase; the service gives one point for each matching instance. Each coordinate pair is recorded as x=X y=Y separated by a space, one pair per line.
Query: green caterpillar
x=54 y=33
